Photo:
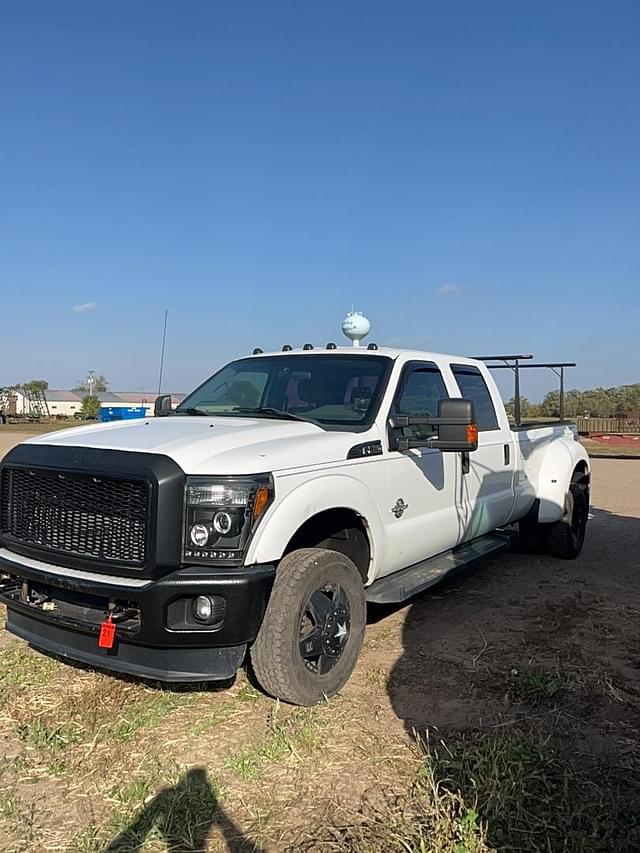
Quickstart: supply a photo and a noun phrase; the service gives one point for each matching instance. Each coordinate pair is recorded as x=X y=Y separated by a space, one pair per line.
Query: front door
x=422 y=516
x=488 y=485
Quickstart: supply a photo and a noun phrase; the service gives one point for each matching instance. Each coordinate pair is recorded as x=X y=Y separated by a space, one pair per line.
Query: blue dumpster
x=120 y=413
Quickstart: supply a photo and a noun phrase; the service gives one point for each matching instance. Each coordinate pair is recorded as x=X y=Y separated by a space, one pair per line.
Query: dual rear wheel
x=563 y=538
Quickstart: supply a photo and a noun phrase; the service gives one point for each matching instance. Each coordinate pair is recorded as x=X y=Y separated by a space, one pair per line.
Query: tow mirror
x=162 y=406
x=457 y=430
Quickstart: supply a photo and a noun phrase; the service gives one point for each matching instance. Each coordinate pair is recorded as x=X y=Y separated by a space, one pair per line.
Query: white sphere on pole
x=355 y=326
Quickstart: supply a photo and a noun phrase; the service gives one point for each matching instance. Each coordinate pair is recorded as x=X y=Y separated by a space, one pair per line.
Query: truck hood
x=216 y=445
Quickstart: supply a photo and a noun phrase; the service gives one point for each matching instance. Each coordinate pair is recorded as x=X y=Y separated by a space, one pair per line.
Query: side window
x=473 y=387
x=421 y=388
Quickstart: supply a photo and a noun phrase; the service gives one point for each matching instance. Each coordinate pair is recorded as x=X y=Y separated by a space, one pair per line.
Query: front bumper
x=60 y=610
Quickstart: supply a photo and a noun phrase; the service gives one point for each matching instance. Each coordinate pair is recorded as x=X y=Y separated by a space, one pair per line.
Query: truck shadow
x=526 y=652
x=505 y=601
x=183 y=816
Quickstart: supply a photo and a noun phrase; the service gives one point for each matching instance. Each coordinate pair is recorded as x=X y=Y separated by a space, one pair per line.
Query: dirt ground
x=500 y=710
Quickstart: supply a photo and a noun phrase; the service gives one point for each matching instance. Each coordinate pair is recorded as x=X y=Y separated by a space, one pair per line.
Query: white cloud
x=450 y=287
x=84 y=307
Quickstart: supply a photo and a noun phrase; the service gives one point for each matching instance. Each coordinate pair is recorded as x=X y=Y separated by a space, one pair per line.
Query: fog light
x=209 y=610
x=222 y=522
x=203 y=608
x=199 y=535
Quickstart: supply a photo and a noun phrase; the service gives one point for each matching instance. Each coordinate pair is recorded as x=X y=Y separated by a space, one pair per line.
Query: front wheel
x=313 y=627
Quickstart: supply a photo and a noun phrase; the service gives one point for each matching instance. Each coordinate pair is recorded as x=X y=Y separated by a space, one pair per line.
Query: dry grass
x=38 y=428
x=517 y=786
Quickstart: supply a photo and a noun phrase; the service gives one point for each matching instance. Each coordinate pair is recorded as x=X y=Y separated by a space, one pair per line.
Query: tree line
x=623 y=401
x=97 y=383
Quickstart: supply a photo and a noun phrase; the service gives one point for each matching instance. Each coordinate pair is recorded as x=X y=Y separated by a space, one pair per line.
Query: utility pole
x=91 y=381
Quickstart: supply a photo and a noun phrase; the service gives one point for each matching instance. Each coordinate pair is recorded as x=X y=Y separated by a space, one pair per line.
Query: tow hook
x=121 y=614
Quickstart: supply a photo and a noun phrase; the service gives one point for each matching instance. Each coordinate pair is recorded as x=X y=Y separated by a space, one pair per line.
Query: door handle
x=507 y=454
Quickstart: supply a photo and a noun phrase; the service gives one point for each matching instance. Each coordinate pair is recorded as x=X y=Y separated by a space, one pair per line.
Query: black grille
x=77 y=514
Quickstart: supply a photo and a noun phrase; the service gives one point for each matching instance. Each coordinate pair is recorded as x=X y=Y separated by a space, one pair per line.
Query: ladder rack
x=512 y=362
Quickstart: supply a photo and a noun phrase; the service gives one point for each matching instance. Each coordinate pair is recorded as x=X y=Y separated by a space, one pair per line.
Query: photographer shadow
x=183 y=815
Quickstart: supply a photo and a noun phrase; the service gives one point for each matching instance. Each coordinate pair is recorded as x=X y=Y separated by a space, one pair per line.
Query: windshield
x=325 y=389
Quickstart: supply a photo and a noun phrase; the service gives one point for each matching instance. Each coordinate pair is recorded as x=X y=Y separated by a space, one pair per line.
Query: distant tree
x=525 y=407
x=35 y=385
x=90 y=406
x=622 y=402
x=100 y=383
x=550 y=406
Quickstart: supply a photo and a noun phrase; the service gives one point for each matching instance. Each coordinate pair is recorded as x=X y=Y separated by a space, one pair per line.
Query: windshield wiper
x=192 y=410
x=270 y=412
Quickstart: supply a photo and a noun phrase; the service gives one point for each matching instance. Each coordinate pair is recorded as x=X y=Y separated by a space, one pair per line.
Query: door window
x=473 y=387
x=421 y=388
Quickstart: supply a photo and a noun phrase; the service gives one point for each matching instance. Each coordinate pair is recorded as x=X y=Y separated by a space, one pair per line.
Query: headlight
x=221 y=514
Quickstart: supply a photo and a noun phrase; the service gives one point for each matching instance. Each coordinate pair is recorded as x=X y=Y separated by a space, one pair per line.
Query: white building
x=65 y=404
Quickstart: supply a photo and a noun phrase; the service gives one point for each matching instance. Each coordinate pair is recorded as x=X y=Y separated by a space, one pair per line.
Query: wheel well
x=582 y=478
x=340 y=530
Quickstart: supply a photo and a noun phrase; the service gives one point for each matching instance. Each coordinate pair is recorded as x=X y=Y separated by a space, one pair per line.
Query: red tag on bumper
x=107 y=634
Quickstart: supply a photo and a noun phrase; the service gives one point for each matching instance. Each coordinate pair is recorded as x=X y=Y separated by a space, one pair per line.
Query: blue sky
x=467 y=174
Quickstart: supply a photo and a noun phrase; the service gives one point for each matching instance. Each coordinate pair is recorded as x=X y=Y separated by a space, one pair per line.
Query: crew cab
x=283 y=494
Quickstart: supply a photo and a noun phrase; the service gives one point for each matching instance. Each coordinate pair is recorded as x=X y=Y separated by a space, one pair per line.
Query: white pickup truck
x=283 y=494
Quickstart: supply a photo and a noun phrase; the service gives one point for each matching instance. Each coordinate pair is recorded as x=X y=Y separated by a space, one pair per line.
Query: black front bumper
x=155 y=640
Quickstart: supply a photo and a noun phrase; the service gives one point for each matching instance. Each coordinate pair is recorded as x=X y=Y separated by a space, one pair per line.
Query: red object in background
x=107 y=634
x=627 y=440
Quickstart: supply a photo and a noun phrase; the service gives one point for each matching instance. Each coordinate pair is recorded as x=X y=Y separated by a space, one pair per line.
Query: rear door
x=488 y=486
x=421 y=515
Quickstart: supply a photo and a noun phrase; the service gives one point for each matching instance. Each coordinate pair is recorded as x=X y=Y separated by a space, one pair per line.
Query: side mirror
x=162 y=406
x=457 y=429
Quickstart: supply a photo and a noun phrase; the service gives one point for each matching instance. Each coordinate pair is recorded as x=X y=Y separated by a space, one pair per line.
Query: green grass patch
x=53 y=738
x=536 y=686
x=22 y=670
x=532 y=797
x=146 y=713
x=18 y=828
x=285 y=738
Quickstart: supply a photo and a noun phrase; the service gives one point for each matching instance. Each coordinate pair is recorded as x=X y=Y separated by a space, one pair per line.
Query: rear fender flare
x=556 y=472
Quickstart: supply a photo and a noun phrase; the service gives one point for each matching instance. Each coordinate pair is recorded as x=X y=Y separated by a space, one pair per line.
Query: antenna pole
x=164 y=338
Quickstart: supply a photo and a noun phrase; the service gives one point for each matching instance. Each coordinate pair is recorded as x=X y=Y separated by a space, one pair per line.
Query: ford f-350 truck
x=283 y=494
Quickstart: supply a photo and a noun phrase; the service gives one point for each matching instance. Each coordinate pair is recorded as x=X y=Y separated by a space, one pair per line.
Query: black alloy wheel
x=324 y=628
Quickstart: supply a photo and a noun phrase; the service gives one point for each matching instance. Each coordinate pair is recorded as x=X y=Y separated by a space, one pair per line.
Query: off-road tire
x=275 y=655
x=565 y=537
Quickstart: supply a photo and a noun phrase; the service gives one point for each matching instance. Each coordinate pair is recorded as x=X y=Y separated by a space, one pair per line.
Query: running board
x=398 y=587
